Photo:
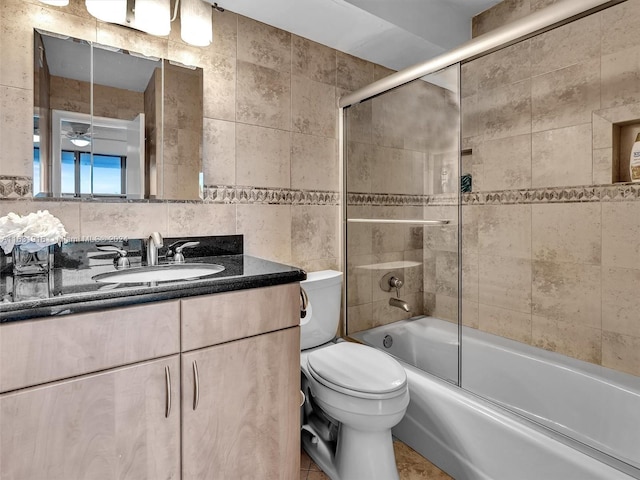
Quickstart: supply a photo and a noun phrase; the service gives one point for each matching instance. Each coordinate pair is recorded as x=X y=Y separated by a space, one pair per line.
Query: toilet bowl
x=355 y=394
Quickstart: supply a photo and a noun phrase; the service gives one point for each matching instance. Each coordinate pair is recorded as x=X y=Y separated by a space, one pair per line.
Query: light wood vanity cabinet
x=125 y=415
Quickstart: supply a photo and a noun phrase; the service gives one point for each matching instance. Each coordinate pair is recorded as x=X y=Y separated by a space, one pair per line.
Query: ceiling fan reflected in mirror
x=77 y=133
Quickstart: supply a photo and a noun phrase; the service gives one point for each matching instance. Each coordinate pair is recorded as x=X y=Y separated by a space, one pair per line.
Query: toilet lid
x=357 y=368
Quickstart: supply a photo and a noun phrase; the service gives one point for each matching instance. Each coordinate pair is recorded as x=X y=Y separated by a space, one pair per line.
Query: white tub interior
x=594 y=405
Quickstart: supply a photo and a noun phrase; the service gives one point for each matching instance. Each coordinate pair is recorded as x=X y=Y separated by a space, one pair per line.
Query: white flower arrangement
x=31 y=232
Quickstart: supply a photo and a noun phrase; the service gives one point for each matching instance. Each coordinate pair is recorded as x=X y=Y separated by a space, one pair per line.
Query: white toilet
x=355 y=394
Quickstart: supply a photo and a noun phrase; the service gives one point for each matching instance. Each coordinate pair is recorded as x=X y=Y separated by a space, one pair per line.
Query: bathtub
x=472 y=438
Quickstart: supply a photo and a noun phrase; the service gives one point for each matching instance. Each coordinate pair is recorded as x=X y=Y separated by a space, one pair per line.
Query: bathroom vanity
x=191 y=379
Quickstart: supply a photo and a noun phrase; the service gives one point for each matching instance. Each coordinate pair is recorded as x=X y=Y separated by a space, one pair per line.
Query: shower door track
x=517 y=30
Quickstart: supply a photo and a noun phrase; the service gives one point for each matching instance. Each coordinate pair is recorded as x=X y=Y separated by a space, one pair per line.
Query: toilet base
x=357 y=456
x=320 y=451
x=367 y=455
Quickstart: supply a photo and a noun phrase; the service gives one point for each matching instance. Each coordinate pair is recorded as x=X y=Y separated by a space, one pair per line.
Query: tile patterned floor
x=411 y=466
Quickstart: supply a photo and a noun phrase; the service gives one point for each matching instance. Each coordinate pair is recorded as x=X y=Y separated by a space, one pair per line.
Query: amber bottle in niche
x=634 y=161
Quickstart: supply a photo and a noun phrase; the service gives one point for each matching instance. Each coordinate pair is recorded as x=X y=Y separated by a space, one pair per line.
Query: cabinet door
x=243 y=419
x=112 y=425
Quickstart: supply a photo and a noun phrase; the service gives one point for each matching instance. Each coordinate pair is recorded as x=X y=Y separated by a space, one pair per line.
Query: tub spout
x=397 y=302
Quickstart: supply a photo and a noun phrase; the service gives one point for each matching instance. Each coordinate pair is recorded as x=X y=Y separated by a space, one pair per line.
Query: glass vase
x=31 y=263
x=32 y=287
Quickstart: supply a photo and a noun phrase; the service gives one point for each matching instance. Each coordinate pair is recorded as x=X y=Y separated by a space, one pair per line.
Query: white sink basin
x=160 y=273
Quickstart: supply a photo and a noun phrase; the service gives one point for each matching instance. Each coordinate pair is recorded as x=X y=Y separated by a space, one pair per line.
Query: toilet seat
x=371 y=374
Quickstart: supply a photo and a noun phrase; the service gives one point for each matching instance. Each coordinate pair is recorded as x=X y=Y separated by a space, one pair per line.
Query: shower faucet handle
x=395 y=282
x=392 y=280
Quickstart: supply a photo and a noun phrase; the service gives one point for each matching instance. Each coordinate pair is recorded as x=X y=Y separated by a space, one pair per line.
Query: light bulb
x=153 y=17
x=80 y=142
x=113 y=11
x=195 y=22
x=56 y=3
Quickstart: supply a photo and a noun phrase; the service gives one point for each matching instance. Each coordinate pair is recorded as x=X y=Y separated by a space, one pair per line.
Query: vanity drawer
x=46 y=349
x=223 y=317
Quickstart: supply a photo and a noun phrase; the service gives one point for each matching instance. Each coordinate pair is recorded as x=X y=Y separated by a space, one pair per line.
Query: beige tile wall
x=270 y=120
x=505 y=12
x=538 y=114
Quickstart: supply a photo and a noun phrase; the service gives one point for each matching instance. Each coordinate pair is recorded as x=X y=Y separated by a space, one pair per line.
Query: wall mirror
x=111 y=123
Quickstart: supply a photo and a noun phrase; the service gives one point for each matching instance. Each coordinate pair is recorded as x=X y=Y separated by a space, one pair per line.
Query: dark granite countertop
x=70 y=288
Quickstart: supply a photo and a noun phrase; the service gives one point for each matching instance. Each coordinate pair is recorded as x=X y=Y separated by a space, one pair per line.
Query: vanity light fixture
x=114 y=11
x=56 y=3
x=154 y=16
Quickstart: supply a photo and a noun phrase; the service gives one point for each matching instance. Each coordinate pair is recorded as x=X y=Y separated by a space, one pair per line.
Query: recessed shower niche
x=614 y=132
x=624 y=136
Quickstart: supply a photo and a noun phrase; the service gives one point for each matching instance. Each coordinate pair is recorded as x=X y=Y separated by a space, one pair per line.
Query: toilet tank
x=324 y=290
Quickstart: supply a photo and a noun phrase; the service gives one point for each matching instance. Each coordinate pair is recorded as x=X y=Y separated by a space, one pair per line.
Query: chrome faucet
x=391 y=281
x=397 y=302
x=154 y=242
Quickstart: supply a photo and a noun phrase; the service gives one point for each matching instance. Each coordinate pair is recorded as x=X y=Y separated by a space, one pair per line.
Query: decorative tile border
x=387 y=199
x=15 y=187
x=624 y=192
x=271 y=196
x=19 y=188
x=12 y=188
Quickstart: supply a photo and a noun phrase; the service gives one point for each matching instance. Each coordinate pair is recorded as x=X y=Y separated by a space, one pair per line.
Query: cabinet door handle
x=196 y=386
x=167 y=377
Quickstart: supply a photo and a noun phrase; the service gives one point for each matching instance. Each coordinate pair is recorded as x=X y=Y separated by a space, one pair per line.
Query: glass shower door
x=401 y=222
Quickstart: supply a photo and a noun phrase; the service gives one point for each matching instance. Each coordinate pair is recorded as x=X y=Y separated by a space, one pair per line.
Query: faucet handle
x=121 y=261
x=112 y=248
x=187 y=245
x=392 y=280
x=397 y=283
x=179 y=257
x=177 y=244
